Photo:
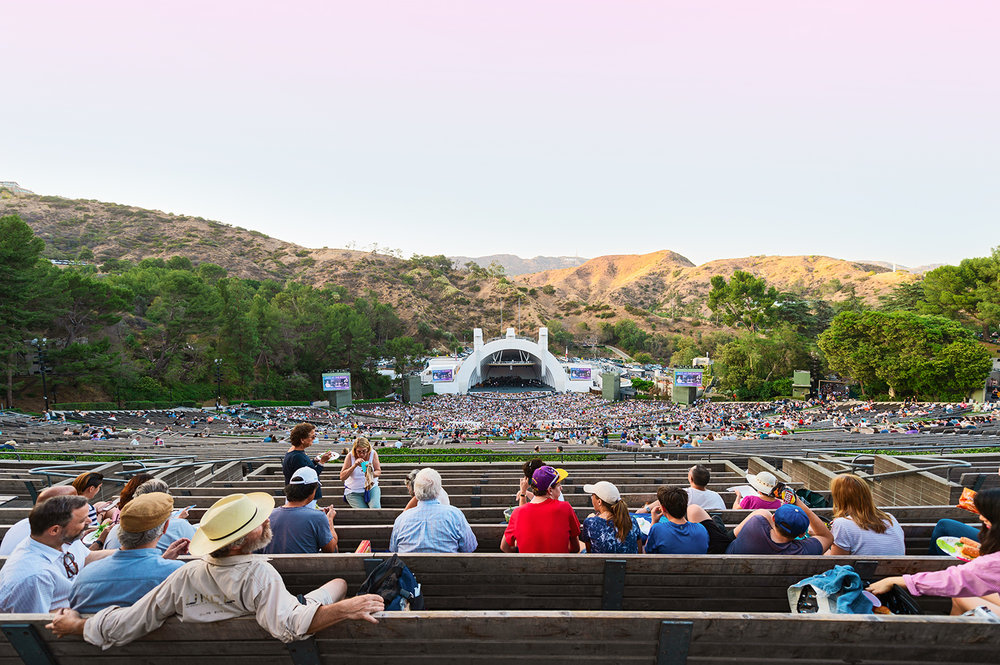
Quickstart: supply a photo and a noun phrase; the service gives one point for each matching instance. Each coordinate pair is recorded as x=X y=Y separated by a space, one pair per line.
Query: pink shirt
x=979 y=577
x=754 y=502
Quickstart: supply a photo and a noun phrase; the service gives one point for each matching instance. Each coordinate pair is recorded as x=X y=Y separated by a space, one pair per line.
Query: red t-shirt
x=538 y=528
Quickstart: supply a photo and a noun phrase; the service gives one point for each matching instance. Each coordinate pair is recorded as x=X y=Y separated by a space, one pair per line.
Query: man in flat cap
x=135 y=568
x=228 y=581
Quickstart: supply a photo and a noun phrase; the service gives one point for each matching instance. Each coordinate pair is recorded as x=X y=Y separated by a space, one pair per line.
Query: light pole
x=218 y=383
x=40 y=351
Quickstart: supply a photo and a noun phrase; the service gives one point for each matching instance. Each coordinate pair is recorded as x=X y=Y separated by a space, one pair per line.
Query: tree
x=759 y=366
x=910 y=354
x=904 y=297
x=968 y=292
x=84 y=304
x=744 y=300
x=19 y=255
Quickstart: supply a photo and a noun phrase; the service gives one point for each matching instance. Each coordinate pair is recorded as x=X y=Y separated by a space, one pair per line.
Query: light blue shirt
x=432 y=527
x=177 y=528
x=32 y=581
x=120 y=579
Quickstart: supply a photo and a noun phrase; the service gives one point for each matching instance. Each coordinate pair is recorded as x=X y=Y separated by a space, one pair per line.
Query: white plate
x=952 y=545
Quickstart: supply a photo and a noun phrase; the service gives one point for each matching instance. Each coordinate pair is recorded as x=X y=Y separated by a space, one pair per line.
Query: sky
x=714 y=128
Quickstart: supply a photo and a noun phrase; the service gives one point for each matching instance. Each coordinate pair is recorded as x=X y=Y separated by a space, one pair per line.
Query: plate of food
x=960 y=548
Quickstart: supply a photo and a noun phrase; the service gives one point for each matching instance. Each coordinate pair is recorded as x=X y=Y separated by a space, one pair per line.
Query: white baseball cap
x=304 y=475
x=604 y=490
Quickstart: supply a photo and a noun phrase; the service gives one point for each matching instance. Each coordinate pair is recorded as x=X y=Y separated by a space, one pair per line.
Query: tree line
x=157 y=330
x=922 y=339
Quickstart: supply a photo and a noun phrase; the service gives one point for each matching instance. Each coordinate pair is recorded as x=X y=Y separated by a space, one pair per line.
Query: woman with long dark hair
x=859 y=527
x=969 y=585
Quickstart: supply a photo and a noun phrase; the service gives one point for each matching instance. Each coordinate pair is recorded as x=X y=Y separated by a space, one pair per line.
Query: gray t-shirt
x=850 y=537
x=707 y=499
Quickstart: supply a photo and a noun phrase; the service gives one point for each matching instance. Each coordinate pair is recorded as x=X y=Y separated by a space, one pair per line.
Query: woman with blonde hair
x=611 y=530
x=360 y=475
x=859 y=527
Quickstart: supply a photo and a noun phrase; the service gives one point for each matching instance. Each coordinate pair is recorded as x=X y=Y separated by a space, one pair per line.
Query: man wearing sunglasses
x=36 y=577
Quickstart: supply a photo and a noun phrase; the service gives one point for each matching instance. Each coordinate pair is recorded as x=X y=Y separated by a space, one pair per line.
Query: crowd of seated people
x=132 y=587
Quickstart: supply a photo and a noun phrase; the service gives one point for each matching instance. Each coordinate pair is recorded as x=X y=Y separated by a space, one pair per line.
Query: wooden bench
x=719 y=583
x=555 y=638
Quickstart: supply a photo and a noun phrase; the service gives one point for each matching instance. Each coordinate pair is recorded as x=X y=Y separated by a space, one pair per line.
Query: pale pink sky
x=724 y=128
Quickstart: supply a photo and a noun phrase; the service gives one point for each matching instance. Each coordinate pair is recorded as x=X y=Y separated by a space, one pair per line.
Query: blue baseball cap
x=792 y=519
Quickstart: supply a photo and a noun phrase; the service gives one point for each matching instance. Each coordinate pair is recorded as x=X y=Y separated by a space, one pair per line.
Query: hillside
x=428 y=292
x=515 y=265
x=649 y=280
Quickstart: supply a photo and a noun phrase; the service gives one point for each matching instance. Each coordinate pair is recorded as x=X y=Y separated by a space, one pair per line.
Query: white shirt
x=707 y=499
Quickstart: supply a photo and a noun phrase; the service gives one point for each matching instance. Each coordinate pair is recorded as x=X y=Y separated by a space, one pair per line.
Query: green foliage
x=272 y=402
x=108 y=406
x=744 y=300
x=912 y=355
x=904 y=297
x=968 y=292
x=754 y=365
x=426 y=456
x=548 y=289
x=642 y=385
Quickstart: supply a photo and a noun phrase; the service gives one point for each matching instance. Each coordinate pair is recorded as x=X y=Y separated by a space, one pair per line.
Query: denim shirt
x=120 y=579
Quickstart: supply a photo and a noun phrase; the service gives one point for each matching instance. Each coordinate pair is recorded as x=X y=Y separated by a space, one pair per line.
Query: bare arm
x=886 y=584
x=358 y=607
x=836 y=551
x=347 y=469
x=66 y=622
x=817 y=527
x=507 y=547
x=97 y=555
x=377 y=468
x=412 y=503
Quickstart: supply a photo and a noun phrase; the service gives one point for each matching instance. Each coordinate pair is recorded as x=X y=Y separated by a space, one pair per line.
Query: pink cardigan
x=979 y=577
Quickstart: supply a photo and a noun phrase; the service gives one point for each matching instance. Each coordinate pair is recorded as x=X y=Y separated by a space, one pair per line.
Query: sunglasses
x=70 y=564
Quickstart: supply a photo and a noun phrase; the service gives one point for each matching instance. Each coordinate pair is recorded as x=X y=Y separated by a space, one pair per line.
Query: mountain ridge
x=425 y=290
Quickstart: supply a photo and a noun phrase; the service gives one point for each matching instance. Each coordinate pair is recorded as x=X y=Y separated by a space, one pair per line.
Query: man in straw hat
x=229 y=581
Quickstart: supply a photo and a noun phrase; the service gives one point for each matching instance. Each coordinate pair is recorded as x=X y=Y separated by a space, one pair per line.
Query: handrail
x=946 y=463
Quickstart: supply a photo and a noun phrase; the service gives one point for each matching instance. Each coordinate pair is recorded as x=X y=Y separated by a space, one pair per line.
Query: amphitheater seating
x=559 y=638
x=494 y=608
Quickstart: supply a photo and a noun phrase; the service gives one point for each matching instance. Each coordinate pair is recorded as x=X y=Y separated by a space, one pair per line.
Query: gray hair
x=134 y=540
x=427 y=485
x=154 y=485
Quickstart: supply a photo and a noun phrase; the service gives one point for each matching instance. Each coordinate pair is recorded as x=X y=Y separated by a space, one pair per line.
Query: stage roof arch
x=500 y=360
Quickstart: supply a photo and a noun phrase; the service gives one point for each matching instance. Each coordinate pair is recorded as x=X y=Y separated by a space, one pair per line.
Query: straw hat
x=229 y=519
x=763 y=482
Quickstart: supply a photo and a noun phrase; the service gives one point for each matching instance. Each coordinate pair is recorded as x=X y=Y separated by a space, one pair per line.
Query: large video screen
x=687 y=378
x=442 y=375
x=579 y=374
x=337 y=381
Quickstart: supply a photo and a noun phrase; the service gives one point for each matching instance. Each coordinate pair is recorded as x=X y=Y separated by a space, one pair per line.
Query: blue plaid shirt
x=432 y=527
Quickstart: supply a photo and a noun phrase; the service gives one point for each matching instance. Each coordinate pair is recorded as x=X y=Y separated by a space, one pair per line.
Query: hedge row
x=377 y=400
x=112 y=406
x=272 y=402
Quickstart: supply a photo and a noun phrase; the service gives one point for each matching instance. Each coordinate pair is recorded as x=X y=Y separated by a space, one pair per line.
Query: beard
x=260 y=542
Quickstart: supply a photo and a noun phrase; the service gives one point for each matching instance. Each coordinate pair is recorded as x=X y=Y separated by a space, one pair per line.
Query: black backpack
x=392 y=580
